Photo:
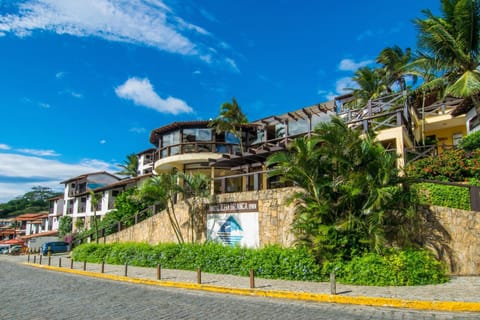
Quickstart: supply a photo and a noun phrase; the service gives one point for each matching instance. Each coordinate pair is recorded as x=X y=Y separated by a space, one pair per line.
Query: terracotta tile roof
x=117 y=184
x=83 y=176
x=42 y=234
x=32 y=216
x=13 y=241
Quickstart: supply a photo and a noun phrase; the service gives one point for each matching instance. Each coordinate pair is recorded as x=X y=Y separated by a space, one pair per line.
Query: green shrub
x=269 y=262
x=451 y=165
x=396 y=268
x=470 y=142
x=443 y=195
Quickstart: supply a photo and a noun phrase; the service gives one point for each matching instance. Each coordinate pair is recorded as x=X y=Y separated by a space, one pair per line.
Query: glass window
x=280 y=130
x=297 y=127
x=170 y=139
x=231 y=138
x=198 y=134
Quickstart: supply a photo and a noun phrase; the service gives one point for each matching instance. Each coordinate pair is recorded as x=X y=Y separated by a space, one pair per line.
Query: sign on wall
x=234 y=223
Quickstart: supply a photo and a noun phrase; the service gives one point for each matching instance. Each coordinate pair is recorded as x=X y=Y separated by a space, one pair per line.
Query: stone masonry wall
x=453 y=234
x=455 y=237
x=274 y=222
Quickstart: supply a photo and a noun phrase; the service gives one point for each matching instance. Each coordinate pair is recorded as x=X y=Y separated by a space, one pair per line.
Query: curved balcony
x=177 y=155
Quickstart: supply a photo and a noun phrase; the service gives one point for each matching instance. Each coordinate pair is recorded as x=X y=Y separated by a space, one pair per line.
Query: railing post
x=103 y=266
x=333 y=283
x=475 y=198
x=84 y=265
x=159 y=272
x=34 y=259
x=126 y=269
x=40 y=259
x=71 y=263
x=252 y=279
x=199 y=275
x=59 y=262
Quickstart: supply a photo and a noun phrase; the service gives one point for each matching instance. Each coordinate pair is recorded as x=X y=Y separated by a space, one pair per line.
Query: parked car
x=54 y=247
x=16 y=249
x=4 y=249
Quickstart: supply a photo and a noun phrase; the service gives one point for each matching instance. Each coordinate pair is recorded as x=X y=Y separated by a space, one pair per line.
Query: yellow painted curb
x=318 y=297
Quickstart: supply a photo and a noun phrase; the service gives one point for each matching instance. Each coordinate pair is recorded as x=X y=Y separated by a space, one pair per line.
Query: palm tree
x=94 y=200
x=347 y=200
x=129 y=166
x=371 y=85
x=196 y=190
x=454 y=39
x=162 y=190
x=394 y=65
x=230 y=119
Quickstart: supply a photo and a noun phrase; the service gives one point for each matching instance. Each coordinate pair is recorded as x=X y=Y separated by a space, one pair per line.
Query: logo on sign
x=230 y=231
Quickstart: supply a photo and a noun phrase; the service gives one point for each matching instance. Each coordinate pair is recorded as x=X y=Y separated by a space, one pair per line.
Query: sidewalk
x=459 y=294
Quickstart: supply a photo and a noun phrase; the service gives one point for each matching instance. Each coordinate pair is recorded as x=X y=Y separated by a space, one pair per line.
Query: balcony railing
x=196 y=147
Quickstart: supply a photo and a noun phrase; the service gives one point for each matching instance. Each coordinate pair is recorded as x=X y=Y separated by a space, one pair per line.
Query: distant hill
x=31 y=202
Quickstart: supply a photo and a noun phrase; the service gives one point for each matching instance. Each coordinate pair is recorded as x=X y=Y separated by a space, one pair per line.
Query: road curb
x=456 y=306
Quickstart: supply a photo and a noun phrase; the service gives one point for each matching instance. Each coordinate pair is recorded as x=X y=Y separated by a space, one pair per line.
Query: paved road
x=30 y=293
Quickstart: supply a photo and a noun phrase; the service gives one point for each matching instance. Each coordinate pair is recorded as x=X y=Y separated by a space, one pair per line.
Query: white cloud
x=141 y=92
x=18 y=173
x=4 y=146
x=37 y=152
x=232 y=64
x=103 y=141
x=59 y=75
x=72 y=93
x=138 y=130
x=365 y=34
x=44 y=105
x=351 y=65
x=141 y=22
x=197 y=72
x=343 y=83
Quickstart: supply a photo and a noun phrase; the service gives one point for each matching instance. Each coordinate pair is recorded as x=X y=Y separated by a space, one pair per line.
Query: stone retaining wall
x=454 y=234
x=274 y=219
x=455 y=237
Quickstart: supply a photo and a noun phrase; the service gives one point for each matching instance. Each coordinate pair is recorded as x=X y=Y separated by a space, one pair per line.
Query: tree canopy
x=31 y=202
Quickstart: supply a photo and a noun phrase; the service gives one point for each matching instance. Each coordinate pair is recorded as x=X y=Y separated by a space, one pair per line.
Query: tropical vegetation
x=446 y=60
x=31 y=202
x=272 y=262
x=230 y=120
x=351 y=199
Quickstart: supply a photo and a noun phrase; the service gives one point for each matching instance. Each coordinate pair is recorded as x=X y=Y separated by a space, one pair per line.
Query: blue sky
x=82 y=83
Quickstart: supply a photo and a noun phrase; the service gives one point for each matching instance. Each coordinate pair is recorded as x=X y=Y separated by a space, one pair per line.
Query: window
x=170 y=139
x=297 y=127
x=456 y=138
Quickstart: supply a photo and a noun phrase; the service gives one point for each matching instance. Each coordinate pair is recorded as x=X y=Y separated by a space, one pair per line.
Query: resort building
x=236 y=163
x=76 y=198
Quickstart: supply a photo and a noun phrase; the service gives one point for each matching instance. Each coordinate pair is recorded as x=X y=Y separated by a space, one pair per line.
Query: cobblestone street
x=30 y=293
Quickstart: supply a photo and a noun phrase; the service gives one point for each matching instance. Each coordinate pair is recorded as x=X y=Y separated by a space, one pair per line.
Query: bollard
x=71 y=264
x=34 y=259
x=126 y=269
x=333 y=283
x=28 y=258
x=199 y=275
x=252 y=279
x=49 y=260
x=159 y=272
x=59 y=262
x=40 y=259
x=84 y=265
x=103 y=266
